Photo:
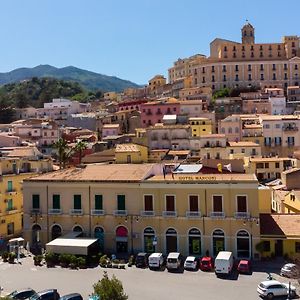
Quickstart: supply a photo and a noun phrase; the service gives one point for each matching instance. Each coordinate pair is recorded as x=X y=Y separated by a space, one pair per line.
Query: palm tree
x=79 y=147
x=64 y=152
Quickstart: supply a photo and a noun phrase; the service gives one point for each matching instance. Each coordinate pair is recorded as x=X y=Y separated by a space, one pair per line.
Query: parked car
x=191 y=263
x=224 y=263
x=50 y=294
x=273 y=288
x=74 y=296
x=244 y=266
x=206 y=263
x=290 y=271
x=141 y=260
x=174 y=261
x=22 y=294
x=156 y=261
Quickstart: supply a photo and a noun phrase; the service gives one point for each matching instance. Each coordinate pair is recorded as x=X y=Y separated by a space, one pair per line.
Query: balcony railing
x=11 y=209
x=11 y=191
x=75 y=212
x=147 y=213
x=193 y=214
x=241 y=215
x=168 y=213
x=217 y=214
x=120 y=212
x=97 y=212
x=290 y=128
x=36 y=211
x=55 y=211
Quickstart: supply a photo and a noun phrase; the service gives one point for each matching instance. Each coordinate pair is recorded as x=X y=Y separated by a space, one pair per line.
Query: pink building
x=110 y=130
x=153 y=112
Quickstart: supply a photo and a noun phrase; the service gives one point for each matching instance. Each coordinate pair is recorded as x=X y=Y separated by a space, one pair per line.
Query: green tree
x=109 y=289
x=79 y=147
x=64 y=152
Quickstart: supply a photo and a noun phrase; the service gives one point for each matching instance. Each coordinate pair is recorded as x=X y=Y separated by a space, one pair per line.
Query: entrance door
x=171 y=240
x=122 y=240
x=279 y=248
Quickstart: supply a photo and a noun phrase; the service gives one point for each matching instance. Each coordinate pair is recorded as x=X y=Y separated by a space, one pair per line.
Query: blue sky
x=131 y=39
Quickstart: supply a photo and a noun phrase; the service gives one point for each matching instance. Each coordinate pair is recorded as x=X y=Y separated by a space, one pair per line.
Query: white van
x=224 y=263
x=174 y=261
x=156 y=261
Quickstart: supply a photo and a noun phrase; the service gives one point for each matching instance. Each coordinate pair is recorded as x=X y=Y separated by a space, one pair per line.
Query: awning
x=77 y=246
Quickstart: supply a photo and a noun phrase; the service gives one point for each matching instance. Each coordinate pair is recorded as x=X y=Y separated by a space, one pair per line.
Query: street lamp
x=131 y=218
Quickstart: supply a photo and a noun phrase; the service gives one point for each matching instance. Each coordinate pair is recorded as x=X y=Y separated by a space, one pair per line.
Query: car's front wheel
x=293 y=294
x=270 y=296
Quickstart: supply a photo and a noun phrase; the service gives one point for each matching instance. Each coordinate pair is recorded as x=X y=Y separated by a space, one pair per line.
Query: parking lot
x=138 y=283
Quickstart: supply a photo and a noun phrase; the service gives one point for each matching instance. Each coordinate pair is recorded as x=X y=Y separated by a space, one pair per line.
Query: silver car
x=290 y=271
x=272 y=288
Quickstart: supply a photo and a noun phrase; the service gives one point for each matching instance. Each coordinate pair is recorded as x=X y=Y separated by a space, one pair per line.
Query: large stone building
x=129 y=206
x=234 y=64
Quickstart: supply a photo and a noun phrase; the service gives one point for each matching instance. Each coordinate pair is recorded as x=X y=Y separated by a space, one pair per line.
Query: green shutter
x=98 y=202
x=9 y=186
x=9 y=204
x=56 y=201
x=35 y=201
x=121 y=202
x=77 y=201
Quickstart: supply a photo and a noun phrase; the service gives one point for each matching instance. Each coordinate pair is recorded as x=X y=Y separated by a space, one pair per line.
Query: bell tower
x=248 y=34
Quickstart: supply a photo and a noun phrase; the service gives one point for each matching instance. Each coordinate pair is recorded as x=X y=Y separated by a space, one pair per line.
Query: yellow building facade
x=201 y=126
x=131 y=153
x=134 y=208
x=14 y=171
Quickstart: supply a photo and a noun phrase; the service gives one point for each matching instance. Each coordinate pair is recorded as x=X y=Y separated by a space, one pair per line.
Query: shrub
x=37 y=260
x=73 y=262
x=81 y=262
x=64 y=259
x=103 y=261
x=51 y=259
x=109 y=289
x=11 y=257
x=5 y=256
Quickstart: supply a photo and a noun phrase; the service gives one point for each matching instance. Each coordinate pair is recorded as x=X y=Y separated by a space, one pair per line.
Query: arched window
x=79 y=229
x=99 y=234
x=149 y=240
x=218 y=237
x=171 y=240
x=243 y=244
x=55 y=232
x=194 y=241
x=121 y=239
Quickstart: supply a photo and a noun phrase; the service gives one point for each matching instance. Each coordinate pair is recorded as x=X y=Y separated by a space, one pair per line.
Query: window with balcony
x=56 y=201
x=249 y=77
x=170 y=203
x=99 y=202
x=236 y=68
x=213 y=78
x=148 y=203
x=267 y=141
x=213 y=69
x=9 y=205
x=224 y=77
x=236 y=77
x=274 y=76
x=261 y=67
x=249 y=67
x=77 y=201
x=217 y=203
x=9 y=186
x=291 y=141
x=121 y=202
x=285 y=76
x=193 y=203
x=36 y=202
x=277 y=141
x=261 y=76
x=241 y=202
x=224 y=69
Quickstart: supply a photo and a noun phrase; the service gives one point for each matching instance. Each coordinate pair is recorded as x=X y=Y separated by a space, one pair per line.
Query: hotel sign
x=197 y=178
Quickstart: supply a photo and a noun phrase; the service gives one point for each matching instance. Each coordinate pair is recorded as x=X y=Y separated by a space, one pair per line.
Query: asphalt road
x=138 y=283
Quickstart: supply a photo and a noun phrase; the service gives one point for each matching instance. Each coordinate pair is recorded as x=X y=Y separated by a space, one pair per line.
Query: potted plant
x=37 y=260
x=103 y=261
x=73 y=262
x=50 y=259
x=11 y=257
x=81 y=262
x=131 y=261
x=5 y=256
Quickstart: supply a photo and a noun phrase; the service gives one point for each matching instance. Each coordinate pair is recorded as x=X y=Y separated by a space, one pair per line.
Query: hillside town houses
x=208 y=156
